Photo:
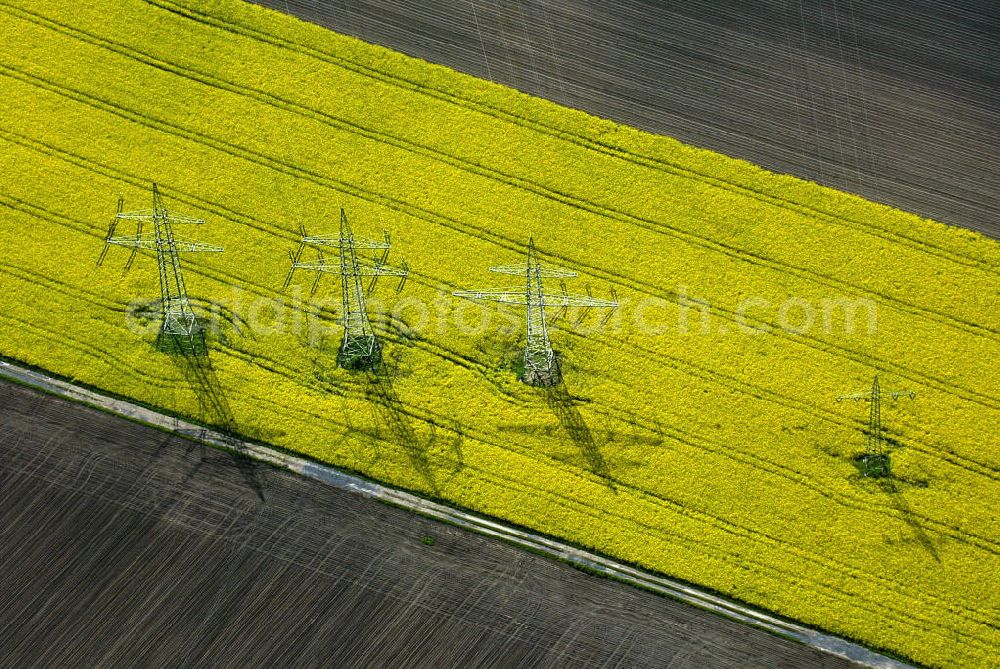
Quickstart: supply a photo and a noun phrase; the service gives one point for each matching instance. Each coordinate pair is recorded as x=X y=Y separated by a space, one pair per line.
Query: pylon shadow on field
x=456 y=447
x=602 y=437
x=214 y=410
x=900 y=504
x=373 y=437
x=564 y=406
x=217 y=319
x=391 y=414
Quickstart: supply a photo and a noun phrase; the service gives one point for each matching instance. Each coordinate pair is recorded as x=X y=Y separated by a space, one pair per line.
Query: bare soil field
x=895 y=101
x=121 y=545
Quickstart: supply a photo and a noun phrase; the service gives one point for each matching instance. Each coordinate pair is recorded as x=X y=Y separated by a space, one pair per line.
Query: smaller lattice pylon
x=360 y=347
x=541 y=367
x=875 y=461
x=180 y=331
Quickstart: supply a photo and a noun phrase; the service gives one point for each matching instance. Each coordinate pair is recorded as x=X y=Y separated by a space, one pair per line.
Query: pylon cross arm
x=147 y=215
x=319 y=266
x=516 y=296
x=565 y=300
x=520 y=296
x=334 y=241
x=185 y=220
x=856 y=396
x=148 y=241
x=362 y=270
x=896 y=394
x=134 y=242
x=197 y=247
x=140 y=215
x=867 y=397
x=544 y=272
x=370 y=244
x=382 y=270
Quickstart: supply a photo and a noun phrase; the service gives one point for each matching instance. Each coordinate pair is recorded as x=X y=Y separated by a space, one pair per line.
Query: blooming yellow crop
x=697 y=433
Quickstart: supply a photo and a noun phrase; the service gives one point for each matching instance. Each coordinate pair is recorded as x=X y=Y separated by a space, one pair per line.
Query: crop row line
x=579 y=139
x=810 y=409
x=230 y=214
x=786 y=472
x=514 y=181
x=483 y=234
x=263 y=226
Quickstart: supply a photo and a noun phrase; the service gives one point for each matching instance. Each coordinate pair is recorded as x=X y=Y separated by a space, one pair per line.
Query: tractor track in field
x=887 y=100
x=518 y=182
x=684 y=436
x=969 y=464
x=263 y=226
x=812 y=410
x=487 y=235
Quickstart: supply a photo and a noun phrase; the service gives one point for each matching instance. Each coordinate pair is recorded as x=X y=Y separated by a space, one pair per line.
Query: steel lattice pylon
x=360 y=347
x=875 y=459
x=179 y=323
x=540 y=365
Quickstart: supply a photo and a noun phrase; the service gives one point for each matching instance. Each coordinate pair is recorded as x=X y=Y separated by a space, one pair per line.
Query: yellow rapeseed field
x=697 y=433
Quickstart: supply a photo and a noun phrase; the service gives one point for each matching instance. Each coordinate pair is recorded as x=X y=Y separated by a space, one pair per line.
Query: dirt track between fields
x=895 y=101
